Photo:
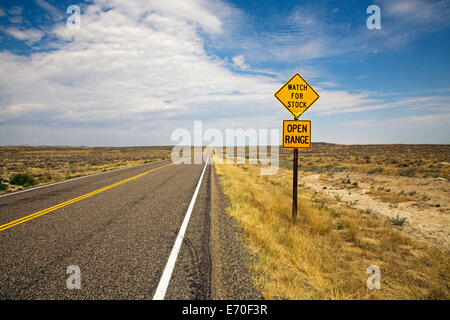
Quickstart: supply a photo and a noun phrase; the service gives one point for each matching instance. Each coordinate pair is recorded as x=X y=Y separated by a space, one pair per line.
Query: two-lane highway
x=119 y=228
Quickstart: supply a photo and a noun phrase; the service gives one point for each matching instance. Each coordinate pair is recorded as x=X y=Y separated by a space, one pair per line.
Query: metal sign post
x=295 y=184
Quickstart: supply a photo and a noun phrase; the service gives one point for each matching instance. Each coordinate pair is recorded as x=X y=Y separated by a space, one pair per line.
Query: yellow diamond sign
x=297 y=95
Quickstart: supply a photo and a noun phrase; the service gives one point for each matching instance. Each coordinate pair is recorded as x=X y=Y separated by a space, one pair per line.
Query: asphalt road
x=120 y=238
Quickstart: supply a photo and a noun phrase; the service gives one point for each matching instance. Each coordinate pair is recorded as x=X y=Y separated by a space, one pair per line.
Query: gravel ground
x=230 y=278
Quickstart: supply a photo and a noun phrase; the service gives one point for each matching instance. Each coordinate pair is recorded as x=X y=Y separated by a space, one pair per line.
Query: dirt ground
x=423 y=201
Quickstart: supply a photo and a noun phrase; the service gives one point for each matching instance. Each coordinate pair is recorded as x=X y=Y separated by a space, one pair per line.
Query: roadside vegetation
x=325 y=254
x=422 y=161
x=26 y=166
x=397 y=220
x=22 y=179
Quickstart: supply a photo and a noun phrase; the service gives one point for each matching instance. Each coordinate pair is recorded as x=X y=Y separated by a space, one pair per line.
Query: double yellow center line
x=90 y=194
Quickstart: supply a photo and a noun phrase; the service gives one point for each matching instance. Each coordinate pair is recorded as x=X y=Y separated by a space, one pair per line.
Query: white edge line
x=167 y=274
x=70 y=180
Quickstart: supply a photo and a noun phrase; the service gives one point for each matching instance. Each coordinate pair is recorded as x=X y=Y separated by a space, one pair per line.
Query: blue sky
x=137 y=70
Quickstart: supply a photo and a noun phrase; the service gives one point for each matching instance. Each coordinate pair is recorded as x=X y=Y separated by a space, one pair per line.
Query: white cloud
x=341 y=101
x=435 y=119
x=329 y=84
x=239 y=62
x=429 y=119
x=344 y=102
x=54 y=12
x=15 y=19
x=29 y=35
x=195 y=10
x=15 y=11
x=118 y=70
x=419 y=12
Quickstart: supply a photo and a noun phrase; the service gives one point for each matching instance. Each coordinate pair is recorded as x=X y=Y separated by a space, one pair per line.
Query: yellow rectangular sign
x=296 y=134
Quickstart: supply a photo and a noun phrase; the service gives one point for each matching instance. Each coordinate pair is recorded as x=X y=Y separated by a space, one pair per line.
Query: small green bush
x=408 y=173
x=3 y=187
x=22 y=179
x=377 y=170
x=398 y=221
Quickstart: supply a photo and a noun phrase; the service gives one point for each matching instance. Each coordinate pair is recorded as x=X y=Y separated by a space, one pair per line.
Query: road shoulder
x=230 y=278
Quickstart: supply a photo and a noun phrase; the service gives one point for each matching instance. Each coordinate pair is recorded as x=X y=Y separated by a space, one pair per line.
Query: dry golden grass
x=393 y=197
x=51 y=164
x=325 y=254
